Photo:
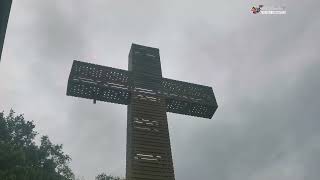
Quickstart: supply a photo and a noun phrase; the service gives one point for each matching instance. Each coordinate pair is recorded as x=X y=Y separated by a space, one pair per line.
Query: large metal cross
x=148 y=96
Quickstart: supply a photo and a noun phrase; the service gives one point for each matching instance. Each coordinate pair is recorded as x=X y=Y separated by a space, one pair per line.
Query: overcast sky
x=263 y=69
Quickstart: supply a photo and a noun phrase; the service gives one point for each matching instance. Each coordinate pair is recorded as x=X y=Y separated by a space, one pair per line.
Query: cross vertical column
x=148 y=143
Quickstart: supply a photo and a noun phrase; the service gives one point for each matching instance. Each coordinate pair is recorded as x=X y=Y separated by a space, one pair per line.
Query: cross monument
x=148 y=97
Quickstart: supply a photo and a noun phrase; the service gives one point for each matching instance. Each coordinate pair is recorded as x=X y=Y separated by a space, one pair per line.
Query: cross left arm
x=97 y=82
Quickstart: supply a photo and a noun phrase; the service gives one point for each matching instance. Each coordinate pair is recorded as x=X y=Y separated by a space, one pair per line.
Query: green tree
x=104 y=176
x=22 y=159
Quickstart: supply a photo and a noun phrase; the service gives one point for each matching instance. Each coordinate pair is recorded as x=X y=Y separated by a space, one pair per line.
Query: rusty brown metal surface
x=148 y=96
x=148 y=143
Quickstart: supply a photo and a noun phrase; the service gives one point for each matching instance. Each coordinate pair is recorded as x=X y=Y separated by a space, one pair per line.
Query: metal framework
x=148 y=96
x=5 y=6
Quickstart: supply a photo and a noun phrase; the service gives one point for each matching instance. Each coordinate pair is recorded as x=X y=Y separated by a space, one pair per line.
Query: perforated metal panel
x=101 y=83
x=189 y=99
x=108 y=84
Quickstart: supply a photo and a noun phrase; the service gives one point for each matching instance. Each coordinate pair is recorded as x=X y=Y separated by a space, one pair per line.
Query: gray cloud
x=264 y=71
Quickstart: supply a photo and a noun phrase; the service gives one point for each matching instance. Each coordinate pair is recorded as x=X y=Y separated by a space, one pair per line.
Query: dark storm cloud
x=263 y=69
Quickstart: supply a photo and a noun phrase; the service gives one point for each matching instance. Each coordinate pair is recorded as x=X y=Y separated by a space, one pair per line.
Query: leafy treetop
x=22 y=159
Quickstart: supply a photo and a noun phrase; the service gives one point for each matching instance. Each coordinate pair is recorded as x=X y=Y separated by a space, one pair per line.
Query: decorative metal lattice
x=108 y=84
x=189 y=99
x=96 y=82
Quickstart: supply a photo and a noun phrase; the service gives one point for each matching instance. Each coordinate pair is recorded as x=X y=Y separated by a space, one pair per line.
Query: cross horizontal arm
x=108 y=84
x=189 y=99
x=97 y=82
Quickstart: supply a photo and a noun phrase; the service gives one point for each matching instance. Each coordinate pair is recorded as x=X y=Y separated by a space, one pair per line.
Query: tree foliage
x=22 y=159
x=104 y=176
